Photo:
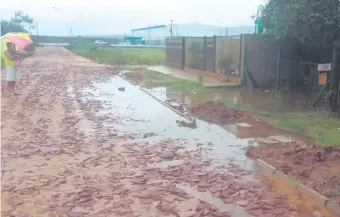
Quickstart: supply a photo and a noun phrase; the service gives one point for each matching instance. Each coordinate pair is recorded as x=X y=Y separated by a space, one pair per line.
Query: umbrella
x=21 y=40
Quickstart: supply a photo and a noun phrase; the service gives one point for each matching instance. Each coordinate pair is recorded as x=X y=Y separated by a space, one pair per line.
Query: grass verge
x=155 y=79
x=121 y=56
x=320 y=126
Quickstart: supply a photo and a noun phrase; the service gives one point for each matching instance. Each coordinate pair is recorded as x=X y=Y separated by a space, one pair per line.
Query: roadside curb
x=329 y=205
x=187 y=117
x=166 y=105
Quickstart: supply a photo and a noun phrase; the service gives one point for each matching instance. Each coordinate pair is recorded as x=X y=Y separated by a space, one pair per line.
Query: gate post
x=242 y=59
x=204 y=52
x=166 y=52
x=183 y=53
x=215 y=50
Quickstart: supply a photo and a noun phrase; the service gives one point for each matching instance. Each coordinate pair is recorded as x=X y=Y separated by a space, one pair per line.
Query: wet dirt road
x=73 y=145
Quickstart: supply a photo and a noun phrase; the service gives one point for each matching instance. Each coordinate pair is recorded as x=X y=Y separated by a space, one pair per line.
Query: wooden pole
x=183 y=52
x=334 y=81
x=278 y=69
x=204 y=52
x=242 y=58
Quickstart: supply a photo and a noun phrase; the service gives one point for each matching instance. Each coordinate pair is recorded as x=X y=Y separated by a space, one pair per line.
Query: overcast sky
x=57 y=17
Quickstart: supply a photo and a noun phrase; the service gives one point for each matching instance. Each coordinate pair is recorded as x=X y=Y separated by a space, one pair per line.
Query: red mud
x=218 y=113
x=316 y=167
x=52 y=166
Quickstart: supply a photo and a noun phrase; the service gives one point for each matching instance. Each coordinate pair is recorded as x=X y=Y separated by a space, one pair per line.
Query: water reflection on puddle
x=234 y=210
x=259 y=99
x=139 y=113
x=165 y=164
x=133 y=104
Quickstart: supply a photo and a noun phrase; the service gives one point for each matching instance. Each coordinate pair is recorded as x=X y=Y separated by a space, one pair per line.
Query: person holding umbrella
x=10 y=56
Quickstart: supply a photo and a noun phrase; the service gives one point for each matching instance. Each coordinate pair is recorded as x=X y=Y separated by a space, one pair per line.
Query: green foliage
x=17 y=23
x=7 y=27
x=157 y=79
x=309 y=21
x=121 y=56
x=196 y=54
x=225 y=62
x=195 y=47
x=200 y=78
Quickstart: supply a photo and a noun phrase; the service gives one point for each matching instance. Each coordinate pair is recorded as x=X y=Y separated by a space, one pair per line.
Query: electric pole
x=71 y=33
x=171 y=30
x=37 y=27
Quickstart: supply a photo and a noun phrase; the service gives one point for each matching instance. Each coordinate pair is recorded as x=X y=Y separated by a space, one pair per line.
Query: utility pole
x=149 y=39
x=171 y=30
x=37 y=27
x=71 y=33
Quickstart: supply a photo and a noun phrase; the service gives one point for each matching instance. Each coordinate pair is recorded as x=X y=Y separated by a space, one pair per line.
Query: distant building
x=157 y=34
x=192 y=30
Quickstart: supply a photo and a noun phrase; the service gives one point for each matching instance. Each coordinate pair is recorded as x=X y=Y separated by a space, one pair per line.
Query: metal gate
x=209 y=54
x=175 y=52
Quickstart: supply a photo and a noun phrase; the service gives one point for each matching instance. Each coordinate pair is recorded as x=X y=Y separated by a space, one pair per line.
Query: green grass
x=156 y=79
x=317 y=125
x=121 y=56
x=320 y=126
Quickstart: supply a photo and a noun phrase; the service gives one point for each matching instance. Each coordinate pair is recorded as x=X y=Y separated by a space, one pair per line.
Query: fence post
x=215 y=50
x=167 y=52
x=204 y=52
x=183 y=53
x=242 y=58
x=278 y=69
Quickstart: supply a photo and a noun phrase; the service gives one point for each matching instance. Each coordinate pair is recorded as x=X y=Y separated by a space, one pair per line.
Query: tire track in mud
x=52 y=166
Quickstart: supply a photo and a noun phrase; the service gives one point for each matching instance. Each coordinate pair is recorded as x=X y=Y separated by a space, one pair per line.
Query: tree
x=17 y=19
x=18 y=23
x=309 y=21
x=29 y=21
x=8 y=26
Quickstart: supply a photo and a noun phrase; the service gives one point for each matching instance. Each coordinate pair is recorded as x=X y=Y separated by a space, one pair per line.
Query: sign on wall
x=323 y=75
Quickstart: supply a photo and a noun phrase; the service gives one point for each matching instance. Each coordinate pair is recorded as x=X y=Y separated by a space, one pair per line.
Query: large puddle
x=256 y=98
x=142 y=114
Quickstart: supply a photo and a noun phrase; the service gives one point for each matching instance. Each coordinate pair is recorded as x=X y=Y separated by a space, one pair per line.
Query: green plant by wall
x=226 y=62
x=200 y=78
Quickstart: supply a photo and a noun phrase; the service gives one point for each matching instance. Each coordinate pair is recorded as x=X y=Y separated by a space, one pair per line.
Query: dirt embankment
x=218 y=113
x=316 y=167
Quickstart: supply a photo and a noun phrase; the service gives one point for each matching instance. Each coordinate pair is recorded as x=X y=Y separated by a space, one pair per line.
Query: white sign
x=324 y=67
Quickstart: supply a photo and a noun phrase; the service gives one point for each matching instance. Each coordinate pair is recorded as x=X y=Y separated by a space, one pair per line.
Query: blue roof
x=132 y=38
x=148 y=28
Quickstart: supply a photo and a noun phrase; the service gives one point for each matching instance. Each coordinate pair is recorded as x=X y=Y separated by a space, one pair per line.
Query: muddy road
x=73 y=145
